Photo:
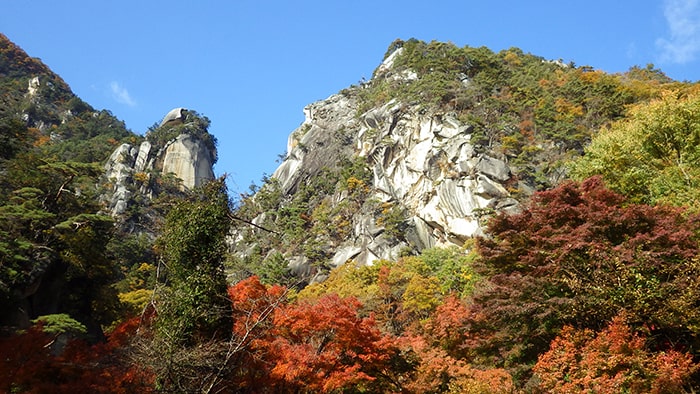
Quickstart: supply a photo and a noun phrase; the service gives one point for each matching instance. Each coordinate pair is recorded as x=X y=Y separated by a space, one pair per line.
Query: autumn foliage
x=579 y=255
x=581 y=291
x=614 y=360
x=556 y=280
x=34 y=362
x=317 y=346
x=326 y=345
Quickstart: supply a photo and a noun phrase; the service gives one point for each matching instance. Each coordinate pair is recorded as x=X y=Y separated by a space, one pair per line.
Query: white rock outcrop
x=422 y=162
x=186 y=157
x=176 y=115
x=189 y=160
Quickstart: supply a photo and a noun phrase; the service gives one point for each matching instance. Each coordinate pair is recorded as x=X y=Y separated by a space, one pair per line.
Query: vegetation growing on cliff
x=535 y=112
x=193 y=124
x=593 y=285
x=307 y=224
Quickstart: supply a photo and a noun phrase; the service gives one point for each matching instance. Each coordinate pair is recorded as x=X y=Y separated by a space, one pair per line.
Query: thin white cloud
x=683 y=18
x=121 y=95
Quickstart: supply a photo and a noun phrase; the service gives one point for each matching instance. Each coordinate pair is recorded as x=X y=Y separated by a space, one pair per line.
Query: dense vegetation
x=536 y=112
x=53 y=241
x=593 y=287
x=651 y=155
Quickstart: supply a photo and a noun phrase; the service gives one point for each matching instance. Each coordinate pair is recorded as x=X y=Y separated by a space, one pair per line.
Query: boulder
x=175 y=116
x=493 y=168
x=344 y=254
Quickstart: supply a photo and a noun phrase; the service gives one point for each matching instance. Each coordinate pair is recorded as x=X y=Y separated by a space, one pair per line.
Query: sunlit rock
x=189 y=160
x=130 y=167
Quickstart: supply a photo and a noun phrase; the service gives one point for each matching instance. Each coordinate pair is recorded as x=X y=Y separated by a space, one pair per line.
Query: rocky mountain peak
x=394 y=179
x=175 y=116
x=179 y=149
x=427 y=183
x=421 y=155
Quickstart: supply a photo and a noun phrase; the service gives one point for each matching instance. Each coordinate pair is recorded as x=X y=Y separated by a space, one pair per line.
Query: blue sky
x=251 y=66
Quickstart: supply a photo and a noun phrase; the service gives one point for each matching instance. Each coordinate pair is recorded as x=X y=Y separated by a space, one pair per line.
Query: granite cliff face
x=421 y=162
x=176 y=149
x=188 y=159
x=440 y=139
x=426 y=183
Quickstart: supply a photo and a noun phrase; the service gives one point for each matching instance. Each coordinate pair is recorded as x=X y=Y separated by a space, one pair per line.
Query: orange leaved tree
x=614 y=360
x=325 y=346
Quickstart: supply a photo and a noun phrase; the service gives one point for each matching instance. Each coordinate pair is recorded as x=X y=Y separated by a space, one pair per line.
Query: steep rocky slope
x=63 y=166
x=419 y=156
x=179 y=147
x=424 y=162
x=30 y=89
x=427 y=184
